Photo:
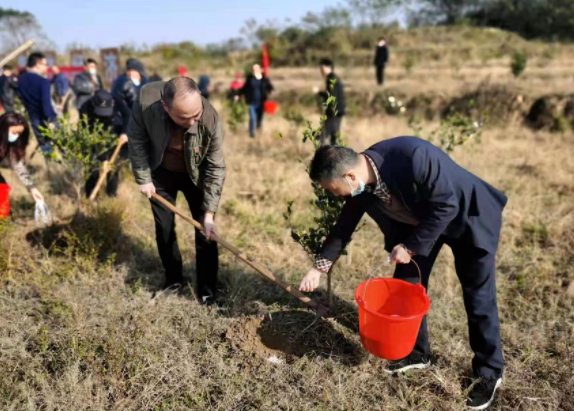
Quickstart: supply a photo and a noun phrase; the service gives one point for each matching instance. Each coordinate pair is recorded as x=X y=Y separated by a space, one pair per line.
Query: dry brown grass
x=81 y=332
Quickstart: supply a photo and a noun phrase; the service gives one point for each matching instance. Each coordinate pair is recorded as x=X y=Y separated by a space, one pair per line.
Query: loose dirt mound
x=291 y=335
x=553 y=113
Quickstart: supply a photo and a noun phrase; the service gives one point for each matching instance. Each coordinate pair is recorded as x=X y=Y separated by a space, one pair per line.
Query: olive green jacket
x=150 y=130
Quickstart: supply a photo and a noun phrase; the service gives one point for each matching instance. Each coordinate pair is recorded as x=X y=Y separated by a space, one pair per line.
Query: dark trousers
x=332 y=129
x=475 y=269
x=167 y=185
x=113 y=178
x=380 y=70
x=255 y=118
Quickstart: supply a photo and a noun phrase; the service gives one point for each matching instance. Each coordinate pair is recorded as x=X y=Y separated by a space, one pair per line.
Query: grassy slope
x=82 y=331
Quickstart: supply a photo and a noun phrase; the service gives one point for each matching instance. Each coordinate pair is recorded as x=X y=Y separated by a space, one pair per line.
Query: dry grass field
x=83 y=326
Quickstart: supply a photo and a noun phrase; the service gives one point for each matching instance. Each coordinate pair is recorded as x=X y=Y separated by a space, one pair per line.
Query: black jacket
x=249 y=86
x=381 y=56
x=8 y=87
x=334 y=87
x=446 y=199
x=118 y=121
x=125 y=90
x=84 y=87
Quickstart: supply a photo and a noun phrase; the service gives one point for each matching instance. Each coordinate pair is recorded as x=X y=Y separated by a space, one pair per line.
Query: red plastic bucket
x=4 y=200
x=390 y=316
x=271 y=107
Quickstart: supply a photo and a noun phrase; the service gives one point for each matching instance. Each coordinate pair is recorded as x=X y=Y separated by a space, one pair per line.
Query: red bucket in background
x=4 y=200
x=270 y=107
x=390 y=316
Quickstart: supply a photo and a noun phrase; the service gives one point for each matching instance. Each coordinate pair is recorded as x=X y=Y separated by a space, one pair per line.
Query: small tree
x=518 y=63
x=237 y=112
x=79 y=146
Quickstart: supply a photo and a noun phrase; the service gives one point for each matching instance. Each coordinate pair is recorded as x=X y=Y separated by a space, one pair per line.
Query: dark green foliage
x=237 y=113
x=518 y=63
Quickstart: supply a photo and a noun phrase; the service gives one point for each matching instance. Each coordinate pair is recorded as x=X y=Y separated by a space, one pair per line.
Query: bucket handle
x=388 y=262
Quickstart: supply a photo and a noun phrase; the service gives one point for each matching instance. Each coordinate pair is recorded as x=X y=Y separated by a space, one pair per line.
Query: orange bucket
x=270 y=107
x=4 y=200
x=390 y=315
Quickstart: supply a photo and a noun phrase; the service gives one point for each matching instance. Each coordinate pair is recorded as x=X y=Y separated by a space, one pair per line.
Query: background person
x=62 y=89
x=381 y=59
x=87 y=83
x=35 y=92
x=334 y=113
x=256 y=90
x=8 y=88
x=166 y=115
x=128 y=85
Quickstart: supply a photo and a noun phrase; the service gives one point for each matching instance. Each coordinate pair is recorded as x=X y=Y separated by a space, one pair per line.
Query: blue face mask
x=12 y=137
x=359 y=190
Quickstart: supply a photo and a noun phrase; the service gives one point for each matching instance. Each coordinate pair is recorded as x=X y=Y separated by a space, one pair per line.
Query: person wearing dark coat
x=128 y=85
x=381 y=59
x=112 y=113
x=334 y=112
x=87 y=83
x=422 y=200
x=8 y=89
x=256 y=91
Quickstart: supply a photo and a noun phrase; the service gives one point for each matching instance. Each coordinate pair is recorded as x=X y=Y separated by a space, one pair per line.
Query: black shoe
x=482 y=393
x=415 y=361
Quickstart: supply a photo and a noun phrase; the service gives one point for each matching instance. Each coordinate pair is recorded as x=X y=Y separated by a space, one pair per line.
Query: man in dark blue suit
x=421 y=199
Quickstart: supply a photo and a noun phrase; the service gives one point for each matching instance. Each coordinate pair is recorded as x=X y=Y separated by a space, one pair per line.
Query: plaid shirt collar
x=380 y=189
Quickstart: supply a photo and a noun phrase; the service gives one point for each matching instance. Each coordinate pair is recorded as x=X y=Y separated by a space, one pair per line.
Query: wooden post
x=105 y=171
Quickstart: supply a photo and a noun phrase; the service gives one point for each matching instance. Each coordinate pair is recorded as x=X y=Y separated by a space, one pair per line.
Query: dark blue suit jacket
x=447 y=200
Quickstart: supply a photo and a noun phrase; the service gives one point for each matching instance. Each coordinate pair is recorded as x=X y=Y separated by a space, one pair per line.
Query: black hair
x=8 y=120
x=89 y=61
x=330 y=162
x=326 y=62
x=34 y=59
x=7 y=67
x=176 y=87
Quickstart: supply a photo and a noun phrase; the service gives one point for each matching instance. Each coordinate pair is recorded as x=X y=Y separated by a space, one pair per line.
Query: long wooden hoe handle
x=106 y=170
x=16 y=52
x=321 y=310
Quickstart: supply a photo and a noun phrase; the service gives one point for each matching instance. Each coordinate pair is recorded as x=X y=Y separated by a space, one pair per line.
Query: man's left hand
x=400 y=255
x=123 y=139
x=209 y=225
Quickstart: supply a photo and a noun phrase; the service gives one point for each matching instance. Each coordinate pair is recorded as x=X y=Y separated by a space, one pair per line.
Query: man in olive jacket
x=176 y=144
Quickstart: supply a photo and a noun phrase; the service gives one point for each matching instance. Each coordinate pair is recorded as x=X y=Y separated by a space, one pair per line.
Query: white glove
x=42 y=215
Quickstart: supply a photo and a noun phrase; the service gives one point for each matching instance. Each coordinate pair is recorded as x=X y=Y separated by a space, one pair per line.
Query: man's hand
x=147 y=189
x=311 y=280
x=235 y=99
x=315 y=89
x=51 y=126
x=400 y=255
x=123 y=139
x=209 y=225
x=36 y=195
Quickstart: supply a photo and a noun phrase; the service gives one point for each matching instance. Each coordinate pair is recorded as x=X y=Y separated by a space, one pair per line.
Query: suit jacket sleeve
x=213 y=170
x=435 y=186
x=139 y=146
x=341 y=234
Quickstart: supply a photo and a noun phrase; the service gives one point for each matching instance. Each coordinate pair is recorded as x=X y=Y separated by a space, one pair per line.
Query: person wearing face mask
x=176 y=144
x=87 y=83
x=35 y=91
x=421 y=200
x=128 y=85
x=62 y=89
x=14 y=136
x=256 y=90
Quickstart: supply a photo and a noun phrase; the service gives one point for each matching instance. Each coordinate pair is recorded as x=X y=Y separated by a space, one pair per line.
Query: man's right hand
x=147 y=189
x=311 y=280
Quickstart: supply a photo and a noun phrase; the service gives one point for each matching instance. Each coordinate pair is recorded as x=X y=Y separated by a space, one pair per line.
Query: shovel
x=318 y=308
x=106 y=170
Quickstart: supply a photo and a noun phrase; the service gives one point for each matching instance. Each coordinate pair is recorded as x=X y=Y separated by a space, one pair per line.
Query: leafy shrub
x=79 y=146
x=453 y=131
x=518 y=63
x=237 y=113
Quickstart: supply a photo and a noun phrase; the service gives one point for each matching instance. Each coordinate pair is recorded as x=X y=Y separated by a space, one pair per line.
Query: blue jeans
x=255 y=118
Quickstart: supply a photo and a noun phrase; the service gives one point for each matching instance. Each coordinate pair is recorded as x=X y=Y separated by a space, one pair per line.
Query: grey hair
x=177 y=87
x=331 y=162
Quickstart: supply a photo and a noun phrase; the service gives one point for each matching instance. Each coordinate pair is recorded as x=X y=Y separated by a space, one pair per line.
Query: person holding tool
x=176 y=144
x=112 y=113
x=421 y=199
